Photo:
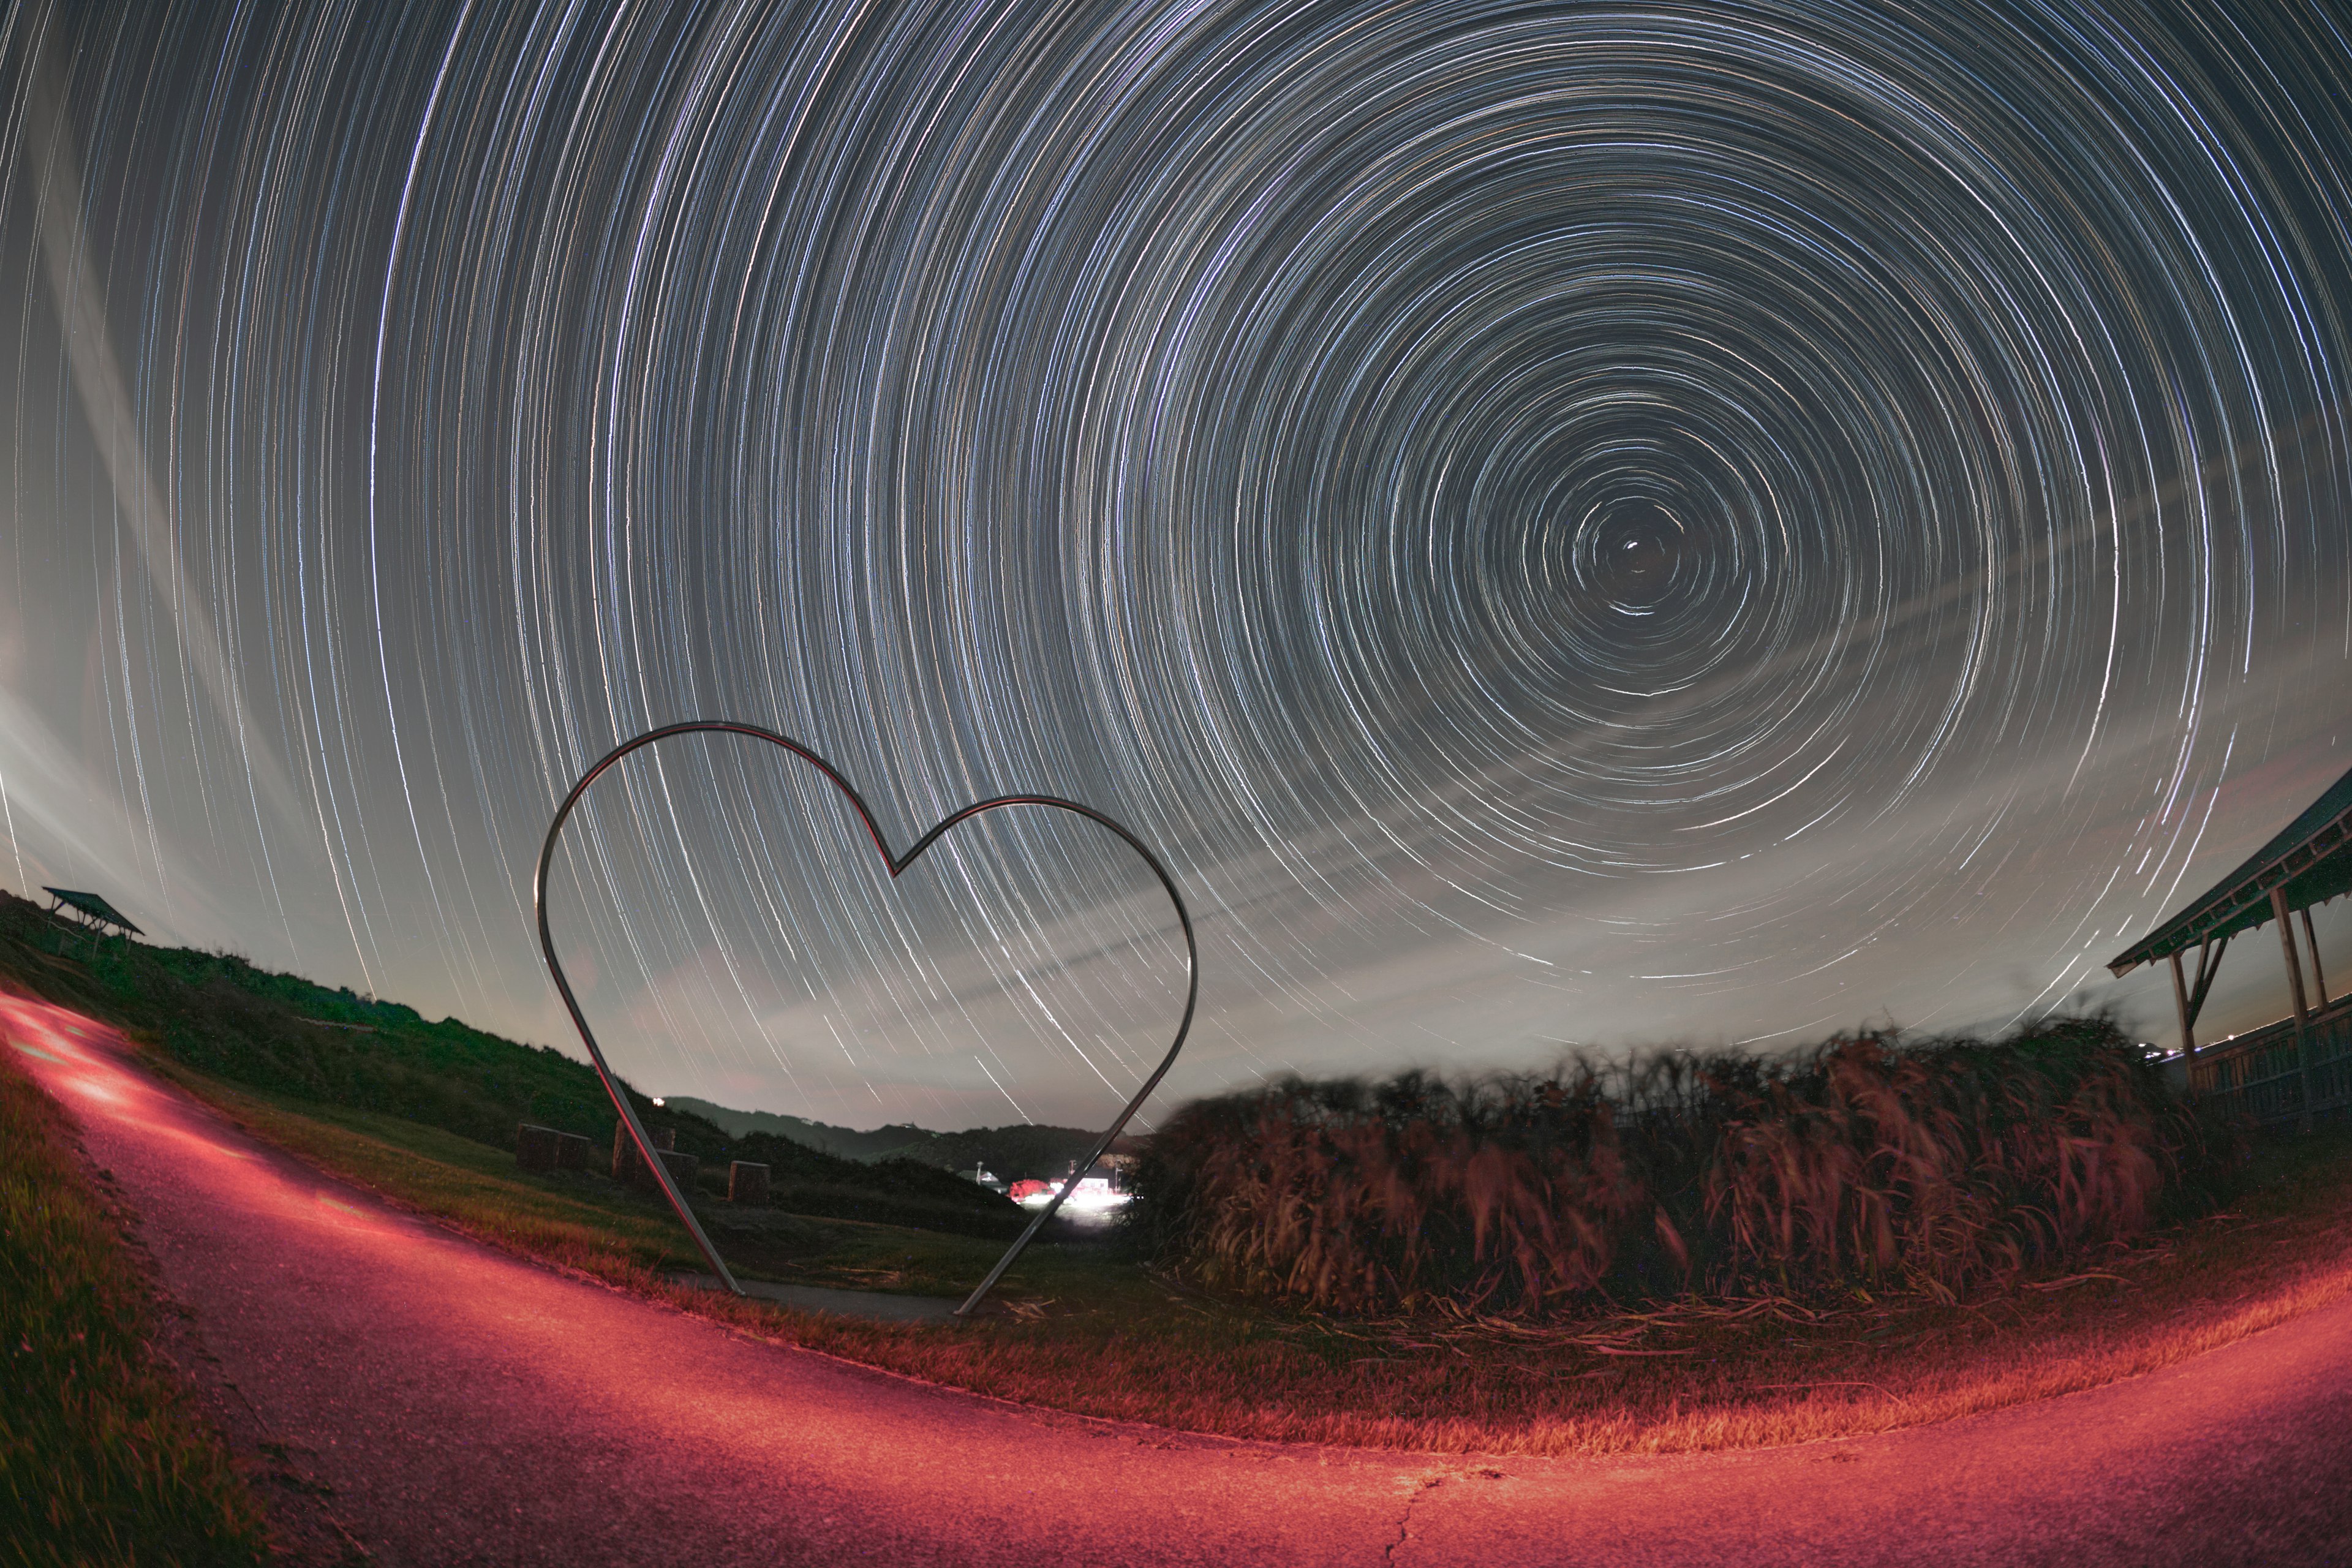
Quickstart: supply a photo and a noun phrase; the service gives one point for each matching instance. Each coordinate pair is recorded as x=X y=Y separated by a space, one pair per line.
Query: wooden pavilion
x=90 y=913
x=2300 y=1067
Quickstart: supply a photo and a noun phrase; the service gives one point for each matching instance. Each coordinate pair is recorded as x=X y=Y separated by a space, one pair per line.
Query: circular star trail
x=1587 y=523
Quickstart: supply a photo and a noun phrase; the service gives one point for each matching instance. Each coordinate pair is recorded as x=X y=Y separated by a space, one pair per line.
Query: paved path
x=465 y=1406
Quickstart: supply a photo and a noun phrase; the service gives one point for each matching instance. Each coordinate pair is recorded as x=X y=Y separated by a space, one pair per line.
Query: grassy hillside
x=223 y=1017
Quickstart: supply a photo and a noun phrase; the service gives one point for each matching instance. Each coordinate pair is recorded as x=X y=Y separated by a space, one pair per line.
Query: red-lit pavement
x=465 y=1406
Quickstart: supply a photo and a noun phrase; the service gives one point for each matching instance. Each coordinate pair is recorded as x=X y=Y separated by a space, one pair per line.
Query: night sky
x=1581 y=525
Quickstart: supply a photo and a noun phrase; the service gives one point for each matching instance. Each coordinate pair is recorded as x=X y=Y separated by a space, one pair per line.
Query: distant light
x=658 y=1102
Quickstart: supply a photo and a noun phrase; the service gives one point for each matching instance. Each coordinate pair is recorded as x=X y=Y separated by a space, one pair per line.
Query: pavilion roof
x=2311 y=858
x=95 y=906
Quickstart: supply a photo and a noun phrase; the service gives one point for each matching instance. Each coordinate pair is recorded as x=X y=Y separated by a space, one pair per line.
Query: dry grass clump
x=1933 y=1167
x=1360 y=1196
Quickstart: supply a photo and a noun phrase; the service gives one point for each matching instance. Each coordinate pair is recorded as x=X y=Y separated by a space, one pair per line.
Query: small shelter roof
x=2311 y=858
x=95 y=906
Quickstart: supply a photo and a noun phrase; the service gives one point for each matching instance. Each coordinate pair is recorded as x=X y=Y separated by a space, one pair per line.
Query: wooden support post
x=2301 y=1014
x=2188 y=1025
x=2293 y=964
x=2318 y=975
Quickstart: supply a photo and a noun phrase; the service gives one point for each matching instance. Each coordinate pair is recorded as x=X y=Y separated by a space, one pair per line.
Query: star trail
x=1568 y=526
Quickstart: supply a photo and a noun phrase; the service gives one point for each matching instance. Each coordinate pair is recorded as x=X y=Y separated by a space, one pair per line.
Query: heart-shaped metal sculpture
x=898 y=864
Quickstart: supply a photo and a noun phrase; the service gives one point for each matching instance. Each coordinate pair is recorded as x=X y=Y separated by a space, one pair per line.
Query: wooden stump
x=538 y=1148
x=626 y=1166
x=572 y=1151
x=684 y=1169
x=747 y=1184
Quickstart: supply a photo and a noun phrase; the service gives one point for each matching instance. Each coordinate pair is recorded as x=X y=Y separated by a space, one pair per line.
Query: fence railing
x=2262 y=1074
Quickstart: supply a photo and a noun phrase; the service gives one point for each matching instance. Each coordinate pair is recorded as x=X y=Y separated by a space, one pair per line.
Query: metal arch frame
x=897 y=865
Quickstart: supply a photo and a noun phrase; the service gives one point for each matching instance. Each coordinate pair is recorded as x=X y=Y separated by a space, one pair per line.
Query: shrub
x=1930 y=1166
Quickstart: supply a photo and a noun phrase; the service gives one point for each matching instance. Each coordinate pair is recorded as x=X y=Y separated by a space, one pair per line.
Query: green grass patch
x=1089 y=1329
x=585 y=1218
x=102 y=1459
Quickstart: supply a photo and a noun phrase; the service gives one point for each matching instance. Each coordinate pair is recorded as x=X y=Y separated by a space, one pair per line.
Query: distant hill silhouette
x=1012 y=1152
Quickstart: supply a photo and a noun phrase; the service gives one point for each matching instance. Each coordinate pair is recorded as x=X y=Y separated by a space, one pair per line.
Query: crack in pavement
x=1421 y=1486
